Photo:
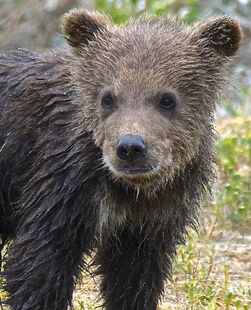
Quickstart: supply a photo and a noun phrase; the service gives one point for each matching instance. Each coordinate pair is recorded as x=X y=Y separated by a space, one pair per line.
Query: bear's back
x=34 y=99
x=30 y=79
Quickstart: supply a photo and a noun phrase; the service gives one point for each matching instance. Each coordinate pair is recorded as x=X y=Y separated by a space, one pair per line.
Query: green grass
x=84 y=306
x=199 y=282
x=233 y=203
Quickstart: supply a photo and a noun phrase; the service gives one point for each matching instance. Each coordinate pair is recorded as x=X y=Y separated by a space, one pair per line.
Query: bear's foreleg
x=134 y=265
x=46 y=255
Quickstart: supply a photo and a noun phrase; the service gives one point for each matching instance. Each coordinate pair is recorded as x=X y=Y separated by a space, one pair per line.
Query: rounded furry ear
x=81 y=26
x=223 y=34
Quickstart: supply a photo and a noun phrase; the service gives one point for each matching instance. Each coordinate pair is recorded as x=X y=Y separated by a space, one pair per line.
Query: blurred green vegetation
x=190 y=10
x=233 y=200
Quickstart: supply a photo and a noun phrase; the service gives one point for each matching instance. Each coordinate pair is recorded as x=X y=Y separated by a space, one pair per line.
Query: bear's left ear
x=223 y=35
x=81 y=26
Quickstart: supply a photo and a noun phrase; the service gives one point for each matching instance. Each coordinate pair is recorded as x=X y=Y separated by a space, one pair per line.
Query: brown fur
x=62 y=190
x=139 y=61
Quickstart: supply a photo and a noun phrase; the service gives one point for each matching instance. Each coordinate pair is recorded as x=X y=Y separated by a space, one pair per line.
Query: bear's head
x=147 y=90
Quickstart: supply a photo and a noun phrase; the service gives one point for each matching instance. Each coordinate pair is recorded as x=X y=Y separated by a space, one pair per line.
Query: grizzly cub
x=107 y=146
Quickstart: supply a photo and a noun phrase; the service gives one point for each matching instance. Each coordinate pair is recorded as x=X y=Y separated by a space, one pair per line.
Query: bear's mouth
x=134 y=170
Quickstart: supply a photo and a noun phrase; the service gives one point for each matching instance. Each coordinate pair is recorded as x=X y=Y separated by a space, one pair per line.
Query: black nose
x=131 y=147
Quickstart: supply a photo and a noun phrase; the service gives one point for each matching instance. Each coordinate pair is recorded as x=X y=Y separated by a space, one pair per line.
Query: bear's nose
x=130 y=147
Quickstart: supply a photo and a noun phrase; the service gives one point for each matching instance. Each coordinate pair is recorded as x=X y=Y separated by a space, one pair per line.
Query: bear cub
x=107 y=146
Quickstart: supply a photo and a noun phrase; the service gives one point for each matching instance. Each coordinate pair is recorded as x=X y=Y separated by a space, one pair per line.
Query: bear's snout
x=131 y=147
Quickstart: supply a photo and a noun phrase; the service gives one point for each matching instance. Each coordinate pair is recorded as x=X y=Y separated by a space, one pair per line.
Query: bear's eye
x=168 y=101
x=107 y=101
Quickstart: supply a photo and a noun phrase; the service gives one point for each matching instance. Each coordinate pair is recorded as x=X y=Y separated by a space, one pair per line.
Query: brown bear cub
x=107 y=146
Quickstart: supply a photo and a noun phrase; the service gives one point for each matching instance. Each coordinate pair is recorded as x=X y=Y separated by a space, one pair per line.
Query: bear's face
x=147 y=90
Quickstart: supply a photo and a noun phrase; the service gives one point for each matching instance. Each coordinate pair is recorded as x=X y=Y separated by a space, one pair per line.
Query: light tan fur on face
x=137 y=62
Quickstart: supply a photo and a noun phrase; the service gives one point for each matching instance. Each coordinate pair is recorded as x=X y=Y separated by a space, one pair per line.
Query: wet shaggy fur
x=61 y=192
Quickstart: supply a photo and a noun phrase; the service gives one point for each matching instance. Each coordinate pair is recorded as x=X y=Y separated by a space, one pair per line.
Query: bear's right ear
x=223 y=35
x=81 y=26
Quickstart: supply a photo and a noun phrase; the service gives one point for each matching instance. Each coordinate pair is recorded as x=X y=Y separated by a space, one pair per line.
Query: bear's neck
x=179 y=199
x=117 y=203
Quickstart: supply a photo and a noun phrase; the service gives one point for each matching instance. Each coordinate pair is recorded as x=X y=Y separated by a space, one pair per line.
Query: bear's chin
x=137 y=180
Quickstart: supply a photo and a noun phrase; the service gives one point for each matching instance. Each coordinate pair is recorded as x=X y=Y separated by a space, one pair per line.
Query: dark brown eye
x=168 y=101
x=107 y=101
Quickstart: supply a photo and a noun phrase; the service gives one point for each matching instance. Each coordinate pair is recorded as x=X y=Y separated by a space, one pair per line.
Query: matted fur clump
x=107 y=146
